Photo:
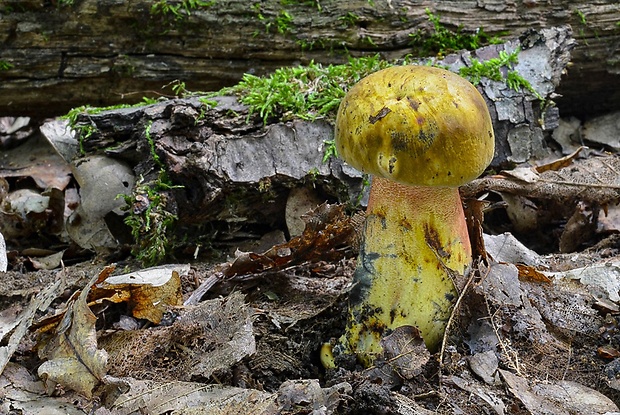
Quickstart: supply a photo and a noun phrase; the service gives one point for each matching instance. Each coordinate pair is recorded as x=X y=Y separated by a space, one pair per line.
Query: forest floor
x=243 y=332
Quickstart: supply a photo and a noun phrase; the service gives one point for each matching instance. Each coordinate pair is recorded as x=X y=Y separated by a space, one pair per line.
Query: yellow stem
x=415 y=241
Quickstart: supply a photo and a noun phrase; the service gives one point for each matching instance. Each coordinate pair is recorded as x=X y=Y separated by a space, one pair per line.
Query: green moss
x=368 y=40
x=441 y=40
x=148 y=215
x=315 y=90
x=178 y=9
x=62 y=3
x=582 y=17
x=349 y=19
x=329 y=150
x=312 y=3
x=492 y=69
x=5 y=66
x=85 y=131
x=123 y=66
x=307 y=92
x=284 y=22
x=150 y=221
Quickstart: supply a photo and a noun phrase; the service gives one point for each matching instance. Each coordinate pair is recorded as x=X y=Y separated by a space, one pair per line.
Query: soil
x=297 y=309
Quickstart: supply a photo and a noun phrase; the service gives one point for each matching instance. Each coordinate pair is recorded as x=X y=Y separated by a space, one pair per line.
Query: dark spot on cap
x=413 y=103
x=426 y=138
x=400 y=141
x=391 y=164
x=382 y=113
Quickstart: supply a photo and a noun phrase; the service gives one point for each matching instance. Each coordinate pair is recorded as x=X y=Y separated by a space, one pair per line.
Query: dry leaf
x=23 y=394
x=535 y=307
x=211 y=336
x=152 y=397
x=73 y=359
x=559 y=398
x=186 y=398
x=49 y=323
x=148 y=292
x=405 y=351
x=482 y=391
x=328 y=234
x=527 y=272
x=561 y=162
x=474 y=216
x=36 y=159
x=602 y=279
x=19 y=326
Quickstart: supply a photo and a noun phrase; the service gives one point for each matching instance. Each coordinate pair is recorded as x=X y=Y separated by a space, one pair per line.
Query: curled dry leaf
x=328 y=236
x=210 y=336
x=559 y=398
x=72 y=357
x=50 y=323
x=147 y=292
x=559 y=163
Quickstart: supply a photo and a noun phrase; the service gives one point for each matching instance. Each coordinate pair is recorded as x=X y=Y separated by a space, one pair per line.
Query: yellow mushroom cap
x=416 y=125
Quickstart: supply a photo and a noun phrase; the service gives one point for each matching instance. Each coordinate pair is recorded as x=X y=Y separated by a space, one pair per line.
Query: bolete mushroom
x=421 y=132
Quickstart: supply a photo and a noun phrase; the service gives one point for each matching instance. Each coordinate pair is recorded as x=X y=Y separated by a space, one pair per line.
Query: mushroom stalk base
x=415 y=244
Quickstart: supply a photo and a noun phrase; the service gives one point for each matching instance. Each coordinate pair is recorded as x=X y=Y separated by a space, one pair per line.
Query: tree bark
x=235 y=170
x=102 y=52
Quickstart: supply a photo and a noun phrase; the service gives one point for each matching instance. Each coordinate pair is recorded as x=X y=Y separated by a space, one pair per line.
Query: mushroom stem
x=415 y=243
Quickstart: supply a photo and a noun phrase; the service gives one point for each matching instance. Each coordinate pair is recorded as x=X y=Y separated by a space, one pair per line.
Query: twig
x=444 y=341
x=207 y=284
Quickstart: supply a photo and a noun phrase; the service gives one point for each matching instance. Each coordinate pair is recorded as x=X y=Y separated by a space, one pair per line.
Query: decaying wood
x=95 y=52
x=235 y=169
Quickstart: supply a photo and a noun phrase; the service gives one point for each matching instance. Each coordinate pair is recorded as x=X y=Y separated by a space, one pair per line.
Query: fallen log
x=63 y=54
x=229 y=166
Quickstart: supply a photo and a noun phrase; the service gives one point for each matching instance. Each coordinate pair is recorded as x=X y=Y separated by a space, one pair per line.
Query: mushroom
x=421 y=132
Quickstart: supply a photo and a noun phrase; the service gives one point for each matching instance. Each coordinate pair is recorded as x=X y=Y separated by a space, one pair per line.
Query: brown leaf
x=560 y=163
x=49 y=323
x=73 y=359
x=474 y=216
x=608 y=352
x=328 y=235
x=405 y=351
x=148 y=292
x=530 y=273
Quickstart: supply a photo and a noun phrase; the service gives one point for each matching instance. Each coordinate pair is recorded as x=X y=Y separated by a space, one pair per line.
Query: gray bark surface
x=102 y=52
x=234 y=167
